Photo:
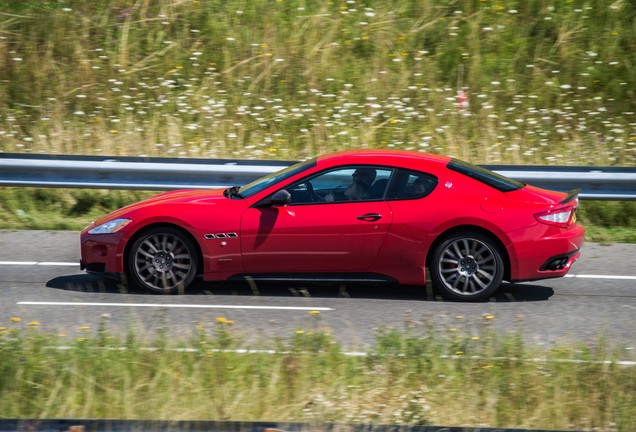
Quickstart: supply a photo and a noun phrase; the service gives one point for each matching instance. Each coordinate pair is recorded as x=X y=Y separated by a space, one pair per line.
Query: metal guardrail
x=17 y=169
x=92 y=425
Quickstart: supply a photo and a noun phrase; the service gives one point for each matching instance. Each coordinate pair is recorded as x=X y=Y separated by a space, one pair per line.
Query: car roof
x=401 y=158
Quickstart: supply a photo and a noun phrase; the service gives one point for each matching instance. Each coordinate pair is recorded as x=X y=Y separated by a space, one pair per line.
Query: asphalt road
x=41 y=283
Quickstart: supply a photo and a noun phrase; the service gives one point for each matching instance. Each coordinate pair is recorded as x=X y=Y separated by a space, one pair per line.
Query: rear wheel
x=162 y=260
x=467 y=266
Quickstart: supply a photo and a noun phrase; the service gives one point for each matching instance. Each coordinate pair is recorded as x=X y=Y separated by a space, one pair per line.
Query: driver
x=360 y=189
x=364 y=175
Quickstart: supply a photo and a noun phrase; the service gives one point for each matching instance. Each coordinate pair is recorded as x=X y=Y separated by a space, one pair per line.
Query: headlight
x=110 y=227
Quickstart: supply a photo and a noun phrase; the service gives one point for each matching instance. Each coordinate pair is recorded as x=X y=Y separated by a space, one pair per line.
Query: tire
x=162 y=260
x=467 y=266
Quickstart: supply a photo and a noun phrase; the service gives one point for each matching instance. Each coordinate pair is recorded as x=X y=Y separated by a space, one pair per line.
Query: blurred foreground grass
x=415 y=375
x=73 y=209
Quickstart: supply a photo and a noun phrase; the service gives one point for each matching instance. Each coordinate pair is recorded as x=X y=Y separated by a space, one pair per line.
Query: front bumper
x=96 y=267
x=101 y=253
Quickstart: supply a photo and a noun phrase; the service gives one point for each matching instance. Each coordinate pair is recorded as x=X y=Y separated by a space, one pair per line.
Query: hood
x=183 y=196
x=194 y=196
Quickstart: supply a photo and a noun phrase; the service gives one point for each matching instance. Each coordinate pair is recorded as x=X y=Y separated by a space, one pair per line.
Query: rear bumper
x=551 y=256
x=560 y=262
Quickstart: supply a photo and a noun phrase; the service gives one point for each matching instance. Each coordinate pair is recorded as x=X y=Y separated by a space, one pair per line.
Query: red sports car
x=349 y=216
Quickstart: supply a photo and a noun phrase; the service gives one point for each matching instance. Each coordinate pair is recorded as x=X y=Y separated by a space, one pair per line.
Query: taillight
x=560 y=217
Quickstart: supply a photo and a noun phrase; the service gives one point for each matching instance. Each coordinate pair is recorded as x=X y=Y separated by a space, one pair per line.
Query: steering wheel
x=310 y=191
x=335 y=191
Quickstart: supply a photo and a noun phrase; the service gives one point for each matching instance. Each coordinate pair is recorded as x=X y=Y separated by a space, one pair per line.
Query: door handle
x=370 y=217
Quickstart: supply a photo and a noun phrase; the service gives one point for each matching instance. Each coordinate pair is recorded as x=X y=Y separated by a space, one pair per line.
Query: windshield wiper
x=232 y=192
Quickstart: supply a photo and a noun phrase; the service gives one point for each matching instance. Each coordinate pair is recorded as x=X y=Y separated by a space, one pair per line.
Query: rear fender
x=502 y=241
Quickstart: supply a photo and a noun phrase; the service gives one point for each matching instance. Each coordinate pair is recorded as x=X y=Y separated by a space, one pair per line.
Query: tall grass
x=548 y=81
x=415 y=375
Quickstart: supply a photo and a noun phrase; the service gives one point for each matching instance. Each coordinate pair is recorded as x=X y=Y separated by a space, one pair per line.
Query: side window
x=413 y=185
x=347 y=184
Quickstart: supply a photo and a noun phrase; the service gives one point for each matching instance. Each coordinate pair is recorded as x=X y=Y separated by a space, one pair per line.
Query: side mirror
x=281 y=197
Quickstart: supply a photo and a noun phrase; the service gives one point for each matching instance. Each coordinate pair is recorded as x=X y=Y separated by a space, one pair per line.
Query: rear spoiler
x=572 y=195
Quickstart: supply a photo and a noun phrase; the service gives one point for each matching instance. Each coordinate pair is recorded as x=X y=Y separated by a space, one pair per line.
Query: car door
x=321 y=230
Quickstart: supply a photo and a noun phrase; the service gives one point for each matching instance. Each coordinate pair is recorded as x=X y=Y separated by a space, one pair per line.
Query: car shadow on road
x=508 y=293
x=91 y=284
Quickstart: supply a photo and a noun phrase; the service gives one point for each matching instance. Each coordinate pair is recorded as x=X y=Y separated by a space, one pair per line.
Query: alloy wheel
x=163 y=262
x=467 y=267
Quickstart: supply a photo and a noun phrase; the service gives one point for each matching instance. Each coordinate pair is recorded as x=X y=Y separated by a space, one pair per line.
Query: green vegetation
x=416 y=375
x=548 y=81
x=60 y=209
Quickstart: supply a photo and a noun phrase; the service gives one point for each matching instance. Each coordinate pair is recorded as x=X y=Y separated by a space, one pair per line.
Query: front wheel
x=162 y=260
x=467 y=266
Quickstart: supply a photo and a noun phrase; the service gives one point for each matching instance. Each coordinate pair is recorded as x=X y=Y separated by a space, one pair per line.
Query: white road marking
x=169 y=305
x=584 y=276
x=39 y=263
x=366 y=354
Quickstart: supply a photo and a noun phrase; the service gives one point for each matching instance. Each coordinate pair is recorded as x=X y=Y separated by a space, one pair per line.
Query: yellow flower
x=300 y=332
x=221 y=320
x=16 y=319
x=34 y=323
x=490 y=316
x=84 y=328
x=475 y=337
x=314 y=312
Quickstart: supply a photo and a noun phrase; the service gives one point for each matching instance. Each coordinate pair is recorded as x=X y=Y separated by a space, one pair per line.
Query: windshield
x=264 y=182
x=492 y=179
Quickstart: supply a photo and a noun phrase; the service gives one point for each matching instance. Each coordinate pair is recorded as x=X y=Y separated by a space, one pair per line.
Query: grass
x=415 y=375
x=548 y=81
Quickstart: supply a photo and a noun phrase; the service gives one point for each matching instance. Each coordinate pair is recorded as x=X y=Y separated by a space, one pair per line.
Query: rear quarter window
x=412 y=185
x=485 y=176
